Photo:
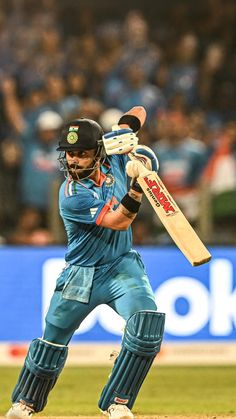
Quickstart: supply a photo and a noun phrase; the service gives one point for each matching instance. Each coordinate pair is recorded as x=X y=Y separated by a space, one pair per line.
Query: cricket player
x=97 y=209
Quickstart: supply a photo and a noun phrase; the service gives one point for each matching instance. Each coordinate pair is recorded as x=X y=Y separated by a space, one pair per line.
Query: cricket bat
x=163 y=203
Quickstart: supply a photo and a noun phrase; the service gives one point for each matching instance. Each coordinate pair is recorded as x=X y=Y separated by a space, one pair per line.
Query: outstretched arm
x=11 y=105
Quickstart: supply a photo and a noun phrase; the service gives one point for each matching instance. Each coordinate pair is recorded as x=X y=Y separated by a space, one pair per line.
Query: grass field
x=168 y=392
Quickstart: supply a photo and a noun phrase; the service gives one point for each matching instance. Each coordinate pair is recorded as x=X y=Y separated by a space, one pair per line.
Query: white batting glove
x=120 y=141
x=135 y=169
x=146 y=156
x=143 y=161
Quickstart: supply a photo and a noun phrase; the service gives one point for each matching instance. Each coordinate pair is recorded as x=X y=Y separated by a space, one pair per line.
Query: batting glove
x=146 y=156
x=143 y=161
x=120 y=141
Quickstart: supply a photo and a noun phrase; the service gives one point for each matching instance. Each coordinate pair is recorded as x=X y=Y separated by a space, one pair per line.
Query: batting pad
x=141 y=343
x=39 y=374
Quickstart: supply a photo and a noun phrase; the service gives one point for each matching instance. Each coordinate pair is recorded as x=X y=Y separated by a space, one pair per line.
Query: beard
x=79 y=173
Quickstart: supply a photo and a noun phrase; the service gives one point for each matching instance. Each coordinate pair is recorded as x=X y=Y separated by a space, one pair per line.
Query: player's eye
x=79 y=154
x=71 y=153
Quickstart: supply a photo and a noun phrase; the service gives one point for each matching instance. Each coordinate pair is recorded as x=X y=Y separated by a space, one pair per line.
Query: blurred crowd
x=58 y=63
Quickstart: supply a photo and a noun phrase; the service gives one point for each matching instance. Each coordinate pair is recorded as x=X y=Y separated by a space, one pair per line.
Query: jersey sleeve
x=84 y=207
x=123 y=159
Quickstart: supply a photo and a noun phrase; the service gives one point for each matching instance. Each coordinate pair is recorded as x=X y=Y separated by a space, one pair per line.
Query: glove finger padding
x=120 y=141
x=146 y=156
x=135 y=168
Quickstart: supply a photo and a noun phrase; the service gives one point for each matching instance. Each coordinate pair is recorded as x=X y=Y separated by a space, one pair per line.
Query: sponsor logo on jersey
x=93 y=211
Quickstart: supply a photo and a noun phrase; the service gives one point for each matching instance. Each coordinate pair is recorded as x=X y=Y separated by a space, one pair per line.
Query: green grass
x=167 y=390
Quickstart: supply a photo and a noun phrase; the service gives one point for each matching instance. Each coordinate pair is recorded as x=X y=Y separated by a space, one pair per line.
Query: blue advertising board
x=199 y=302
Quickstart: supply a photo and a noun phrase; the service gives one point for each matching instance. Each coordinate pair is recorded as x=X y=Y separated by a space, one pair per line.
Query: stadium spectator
x=10 y=161
x=67 y=105
x=22 y=113
x=220 y=177
x=138 y=47
x=31 y=229
x=182 y=160
x=183 y=70
x=39 y=168
x=132 y=89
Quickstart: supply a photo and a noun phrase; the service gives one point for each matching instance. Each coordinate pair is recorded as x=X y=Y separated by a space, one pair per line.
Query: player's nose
x=75 y=159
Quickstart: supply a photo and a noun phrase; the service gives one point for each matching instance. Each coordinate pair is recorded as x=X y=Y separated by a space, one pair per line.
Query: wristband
x=130 y=120
x=130 y=204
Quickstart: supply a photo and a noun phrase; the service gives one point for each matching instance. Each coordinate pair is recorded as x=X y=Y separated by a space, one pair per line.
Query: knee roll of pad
x=141 y=343
x=43 y=364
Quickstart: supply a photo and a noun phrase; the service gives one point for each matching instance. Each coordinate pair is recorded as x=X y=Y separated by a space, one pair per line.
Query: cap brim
x=73 y=148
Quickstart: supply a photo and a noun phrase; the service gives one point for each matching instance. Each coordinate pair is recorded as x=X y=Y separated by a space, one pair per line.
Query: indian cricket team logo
x=72 y=137
x=110 y=180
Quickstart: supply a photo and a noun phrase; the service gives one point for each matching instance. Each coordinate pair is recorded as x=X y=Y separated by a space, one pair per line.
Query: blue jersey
x=82 y=207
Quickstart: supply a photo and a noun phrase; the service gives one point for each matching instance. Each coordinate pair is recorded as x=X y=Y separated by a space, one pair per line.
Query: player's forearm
x=127 y=212
x=123 y=216
x=13 y=110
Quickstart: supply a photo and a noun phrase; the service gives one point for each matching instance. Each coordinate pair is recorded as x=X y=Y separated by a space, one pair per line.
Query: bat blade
x=174 y=220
